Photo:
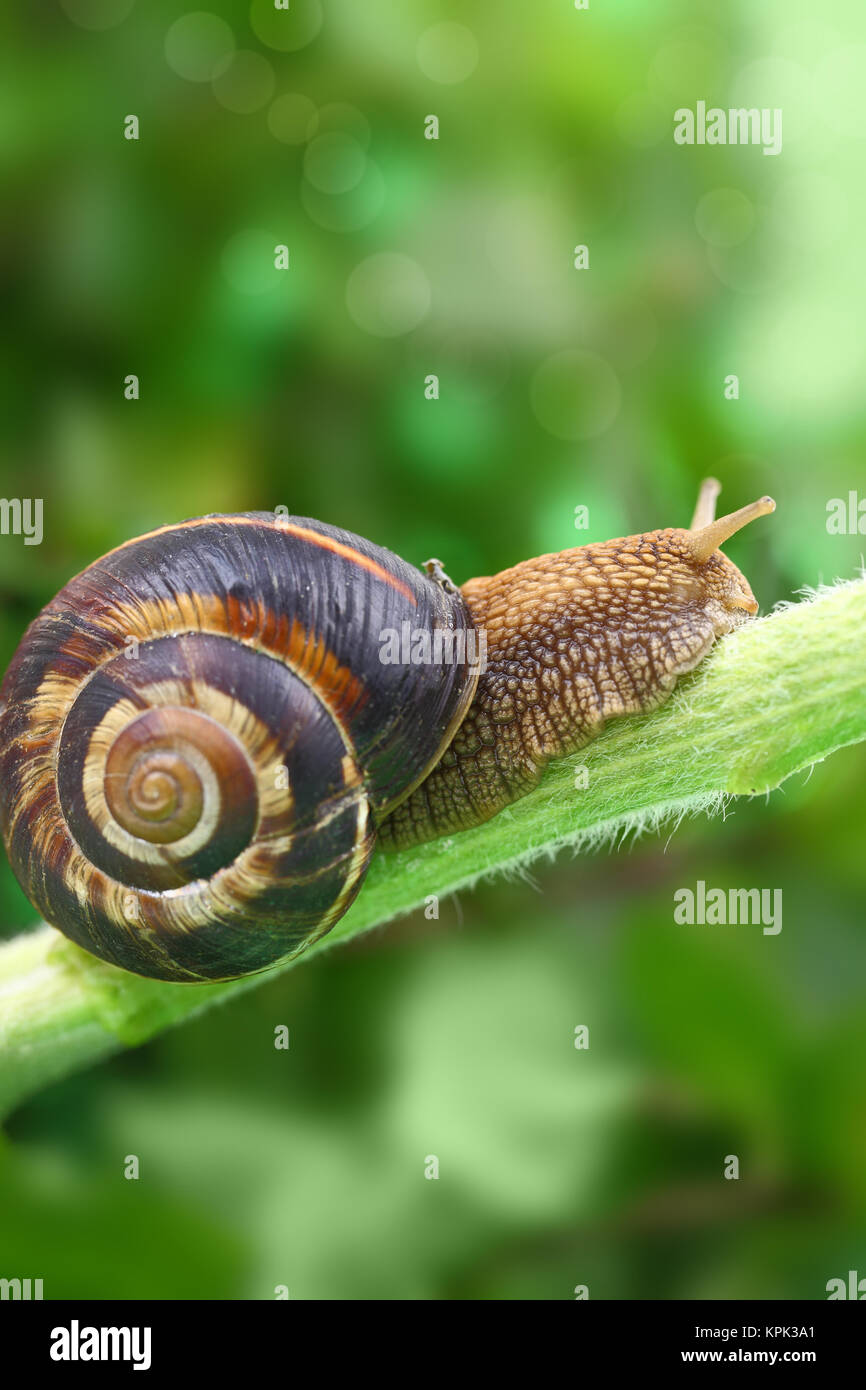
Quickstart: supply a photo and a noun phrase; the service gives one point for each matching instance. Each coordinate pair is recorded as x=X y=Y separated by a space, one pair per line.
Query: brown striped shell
x=198 y=739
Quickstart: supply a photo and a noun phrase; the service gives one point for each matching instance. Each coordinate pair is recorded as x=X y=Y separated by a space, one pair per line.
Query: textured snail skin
x=573 y=639
x=200 y=738
x=143 y=796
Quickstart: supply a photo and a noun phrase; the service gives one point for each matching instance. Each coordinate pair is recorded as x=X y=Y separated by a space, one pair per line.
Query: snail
x=202 y=739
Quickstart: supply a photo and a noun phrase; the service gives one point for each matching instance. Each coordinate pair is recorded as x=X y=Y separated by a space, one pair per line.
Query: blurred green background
x=558 y=388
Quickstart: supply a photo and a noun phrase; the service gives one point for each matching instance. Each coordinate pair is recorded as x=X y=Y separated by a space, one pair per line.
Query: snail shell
x=198 y=739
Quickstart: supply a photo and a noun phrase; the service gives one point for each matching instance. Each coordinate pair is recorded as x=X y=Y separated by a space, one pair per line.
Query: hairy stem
x=773 y=698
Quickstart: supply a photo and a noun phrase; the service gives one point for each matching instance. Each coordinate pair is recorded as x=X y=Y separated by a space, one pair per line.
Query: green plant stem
x=773 y=698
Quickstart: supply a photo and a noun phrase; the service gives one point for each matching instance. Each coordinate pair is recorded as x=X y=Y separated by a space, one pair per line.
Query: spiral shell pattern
x=198 y=740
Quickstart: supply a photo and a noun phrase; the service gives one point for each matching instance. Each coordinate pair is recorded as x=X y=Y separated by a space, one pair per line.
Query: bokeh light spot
x=289 y=29
x=724 y=217
x=293 y=118
x=447 y=52
x=198 y=46
x=575 y=394
x=246 y=83
x=388 y=294
x=334 y=162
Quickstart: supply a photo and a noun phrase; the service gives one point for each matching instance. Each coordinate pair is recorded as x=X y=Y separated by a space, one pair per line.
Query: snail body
x=200 y=736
